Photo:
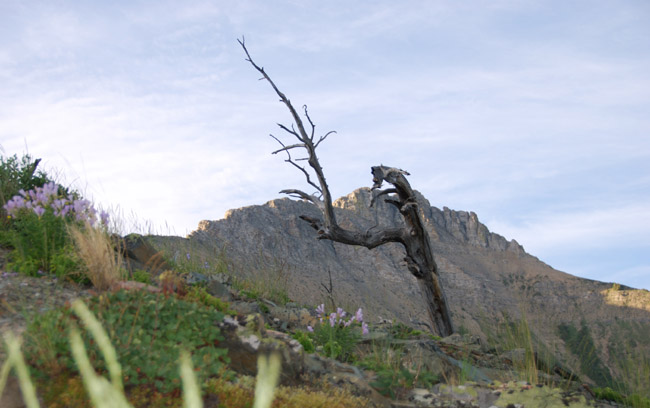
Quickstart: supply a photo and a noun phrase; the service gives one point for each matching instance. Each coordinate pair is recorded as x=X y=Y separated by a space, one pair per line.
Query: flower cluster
x=338 y=318
x=40 y=199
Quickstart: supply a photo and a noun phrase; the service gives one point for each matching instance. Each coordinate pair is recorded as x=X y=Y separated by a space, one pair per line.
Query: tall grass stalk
x=268 y=374
x=518 y=336
x=103 y=342
x=191 y=390
x=103 y=265
x=15 y=360
x=103 y=393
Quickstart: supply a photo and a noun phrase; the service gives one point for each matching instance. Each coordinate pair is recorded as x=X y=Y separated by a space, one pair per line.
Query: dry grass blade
x=94 y=247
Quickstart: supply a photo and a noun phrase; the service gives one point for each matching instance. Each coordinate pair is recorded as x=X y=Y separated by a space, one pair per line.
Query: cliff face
x=485 y=277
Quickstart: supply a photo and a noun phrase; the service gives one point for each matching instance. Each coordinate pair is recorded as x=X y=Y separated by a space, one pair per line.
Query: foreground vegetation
x=162 y=349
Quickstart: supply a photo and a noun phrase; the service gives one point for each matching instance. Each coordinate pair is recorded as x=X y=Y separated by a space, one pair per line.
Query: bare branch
x=286 y=148
x=324 y=137
x=313 y=127
x=303 y=137
x=306 y=173
x=307 y=197
x=293 y=163
x=381 y=193
x=368 y=239
x=291 y=131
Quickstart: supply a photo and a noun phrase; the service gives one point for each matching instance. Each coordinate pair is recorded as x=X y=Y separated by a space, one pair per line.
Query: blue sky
x=533 y=114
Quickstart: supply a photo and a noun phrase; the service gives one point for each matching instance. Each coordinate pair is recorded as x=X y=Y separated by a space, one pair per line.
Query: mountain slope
x=487 y=279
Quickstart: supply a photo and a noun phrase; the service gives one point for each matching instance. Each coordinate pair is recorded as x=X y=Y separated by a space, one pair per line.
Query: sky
x=533 y=114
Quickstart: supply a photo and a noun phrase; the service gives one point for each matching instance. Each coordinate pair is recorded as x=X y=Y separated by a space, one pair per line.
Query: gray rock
x=140 y=254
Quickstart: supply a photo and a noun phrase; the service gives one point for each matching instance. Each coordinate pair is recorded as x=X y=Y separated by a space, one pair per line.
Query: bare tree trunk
x=414 y=237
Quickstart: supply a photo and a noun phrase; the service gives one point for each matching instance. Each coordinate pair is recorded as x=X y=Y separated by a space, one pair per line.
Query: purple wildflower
x=80 y=206
x=359 y=315
x=340 y=312
x=14 y=205
x=333 y=319
x=39 y=211
x=51 y=189
x=187 y=255
x=310 y=329
x=41 y=198
x=364 y=328
x=65 y=210
x=91 y=214
x=320 y=310
x=104 y=217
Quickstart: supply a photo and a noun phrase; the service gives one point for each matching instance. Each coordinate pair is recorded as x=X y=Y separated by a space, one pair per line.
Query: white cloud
x=585 y=228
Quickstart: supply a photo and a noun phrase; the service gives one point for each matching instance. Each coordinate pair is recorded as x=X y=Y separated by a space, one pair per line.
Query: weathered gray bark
x=419 y=255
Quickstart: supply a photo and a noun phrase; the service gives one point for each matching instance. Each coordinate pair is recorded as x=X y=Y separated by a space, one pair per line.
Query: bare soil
x=22 y=297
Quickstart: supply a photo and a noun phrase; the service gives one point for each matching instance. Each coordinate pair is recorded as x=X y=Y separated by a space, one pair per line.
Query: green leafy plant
x=147 y=330
x=338 y=333
x=305 y=340
x=37 y=228
x=201 y=295
x=19 y=174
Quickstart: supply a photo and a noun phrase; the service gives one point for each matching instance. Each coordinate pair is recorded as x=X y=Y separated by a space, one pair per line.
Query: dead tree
x=415 y=239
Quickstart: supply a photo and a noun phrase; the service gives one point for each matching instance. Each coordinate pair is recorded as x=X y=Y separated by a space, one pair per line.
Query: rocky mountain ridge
x=488 y=280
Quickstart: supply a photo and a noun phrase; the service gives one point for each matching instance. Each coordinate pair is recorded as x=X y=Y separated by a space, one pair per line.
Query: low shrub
x=147 y=330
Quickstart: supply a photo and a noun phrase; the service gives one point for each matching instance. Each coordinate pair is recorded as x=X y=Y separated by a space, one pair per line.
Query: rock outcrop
x=486 y=278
